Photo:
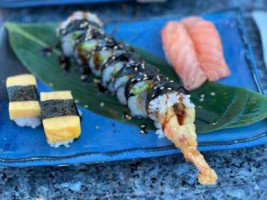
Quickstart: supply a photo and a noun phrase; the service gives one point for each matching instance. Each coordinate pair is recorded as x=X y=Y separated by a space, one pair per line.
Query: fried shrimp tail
x=184 y=137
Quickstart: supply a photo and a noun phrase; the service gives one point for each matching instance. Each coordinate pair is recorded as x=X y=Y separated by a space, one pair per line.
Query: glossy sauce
x=179 y=110
x=64 y=62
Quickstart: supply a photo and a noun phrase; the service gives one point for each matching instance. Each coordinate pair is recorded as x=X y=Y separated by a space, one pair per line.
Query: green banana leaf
x=223 y=106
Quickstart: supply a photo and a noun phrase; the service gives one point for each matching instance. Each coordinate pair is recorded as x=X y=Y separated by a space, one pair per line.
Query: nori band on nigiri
x=76 y=26
x=22 y=93
x=58 y=108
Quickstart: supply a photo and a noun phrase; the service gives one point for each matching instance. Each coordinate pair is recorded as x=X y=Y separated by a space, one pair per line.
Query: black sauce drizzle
x=47 y=51
x=64 y=62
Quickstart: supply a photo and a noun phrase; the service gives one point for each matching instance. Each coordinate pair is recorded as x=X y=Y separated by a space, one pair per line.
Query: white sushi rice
x=32 y=122
x=162 y=103
x=58 y=144
x=159 y=130
x=108 y=74
x=67 y=45
x=120 y=82
x=137 y=105
x=121 y=95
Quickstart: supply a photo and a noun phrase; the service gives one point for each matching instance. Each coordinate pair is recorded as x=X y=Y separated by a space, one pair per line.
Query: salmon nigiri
x=181 y=52
x=208 y=47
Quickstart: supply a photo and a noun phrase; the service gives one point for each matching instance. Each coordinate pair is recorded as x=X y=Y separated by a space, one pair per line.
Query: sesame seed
x=212 y=93
x=83 y=77
x=169 y=88
x=76 y=101
x=128 y=116
x=51 y=84
x=201 y=99
x=135 y=69
x=96 y=127
x=199 y=106
x=102 y=104
x=202 y=96
x=161 y=88
x=85 y=106
x=145 y=75
x=171 y=81
x=115 y=47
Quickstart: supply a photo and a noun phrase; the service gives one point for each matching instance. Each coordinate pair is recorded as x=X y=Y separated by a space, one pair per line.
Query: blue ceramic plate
x=114 y=140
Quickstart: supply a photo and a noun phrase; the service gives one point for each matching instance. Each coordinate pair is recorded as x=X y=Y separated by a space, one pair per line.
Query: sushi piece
x=180 y=51
x=60 y=118
x=136 y=91
x=104 y=51
x=86 y=43
x=24 y=108
x=208 y=46
x=113 y=66
x=173 y=113
x=131 y=70
x=147 y=93
x=76 y=25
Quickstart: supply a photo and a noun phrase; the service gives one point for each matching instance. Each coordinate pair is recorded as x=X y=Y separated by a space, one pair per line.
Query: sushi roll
x=24 y=108
x=76 y=25
x=131 y=70
x=147 y=93
x=103 y=52
x=176 y=97
x=86 y=43
x=136 y=92
x=60 y=118
x=113 y=66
